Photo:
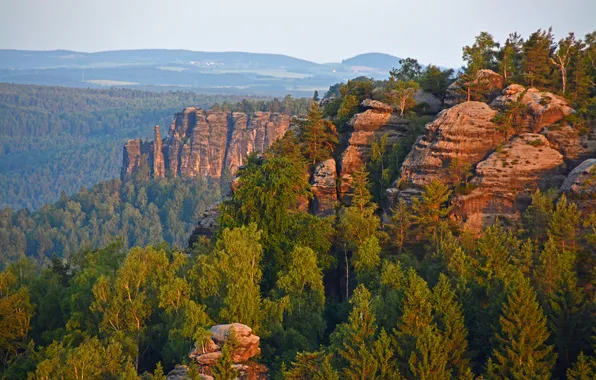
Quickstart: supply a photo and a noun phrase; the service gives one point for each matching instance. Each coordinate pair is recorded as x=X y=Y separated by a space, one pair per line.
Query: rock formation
x=204 y=143
x=367 y=127
x=543 y=108
x=506 y=179
x=580 y=186
x=488 y=81
x=247 y=348
x=464 y=132
x=324 y=188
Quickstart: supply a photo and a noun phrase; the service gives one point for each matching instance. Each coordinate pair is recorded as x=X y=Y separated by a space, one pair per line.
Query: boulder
x=505 y=181
x=544 y=108
x=580 y=186
x=433 y=104
x=324 y=188
x=486 y=81
x=575 y=146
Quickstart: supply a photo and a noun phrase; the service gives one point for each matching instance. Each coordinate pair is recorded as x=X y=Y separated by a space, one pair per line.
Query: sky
x=433 y=31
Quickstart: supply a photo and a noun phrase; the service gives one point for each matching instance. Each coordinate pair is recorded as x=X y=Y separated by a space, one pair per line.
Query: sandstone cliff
x=204 y=143
x=376 y=121
x=504 y=171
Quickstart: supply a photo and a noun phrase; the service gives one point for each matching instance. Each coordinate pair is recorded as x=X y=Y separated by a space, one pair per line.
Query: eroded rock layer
x=505 y=181
x=463 y=133
x=204 y=143
x=376 y=121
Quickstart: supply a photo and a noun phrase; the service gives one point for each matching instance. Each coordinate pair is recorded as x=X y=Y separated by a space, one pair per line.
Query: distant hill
x=201 y=72
x=374 y=60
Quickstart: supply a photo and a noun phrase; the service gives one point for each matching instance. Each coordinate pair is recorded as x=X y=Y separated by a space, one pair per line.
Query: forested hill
x=55 y=139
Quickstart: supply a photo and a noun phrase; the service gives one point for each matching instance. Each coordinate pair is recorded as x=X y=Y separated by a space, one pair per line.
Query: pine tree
x=509 y=58
x=482 y=54
x=358 y=336
x=318 y=136
x=429 y=360
x=583 y=369
x=520 y=349
x=564 y=224
x=401 y=221
x=312 y=365
x=536 y=53
x=158 y=373
x=430 y=209
x=416 y=318
x=223 y=369
x=450 y=321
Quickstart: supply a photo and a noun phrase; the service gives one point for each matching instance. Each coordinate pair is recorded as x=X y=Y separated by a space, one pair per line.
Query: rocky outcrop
x=543 y=108
x=204 y=143
x=324 y=188
x=207 y=224
x=487 y=82
x=428 y=102
x=247 y=347
x=464 y=133
x=505 y=180
x=576 y=146
x=580 y=186
x=376 y=121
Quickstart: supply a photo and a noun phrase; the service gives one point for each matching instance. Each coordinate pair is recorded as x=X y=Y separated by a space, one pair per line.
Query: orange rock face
x=506 y=179
x=544 y=108
x=367 y=127
x=324 y=189
x=204 y=143
x=464 y=132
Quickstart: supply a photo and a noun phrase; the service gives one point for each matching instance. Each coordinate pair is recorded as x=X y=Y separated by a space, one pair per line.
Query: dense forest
x=356 y=295
x=55 y=139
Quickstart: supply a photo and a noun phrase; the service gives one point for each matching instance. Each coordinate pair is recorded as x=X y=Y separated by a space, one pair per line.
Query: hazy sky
x=433 y=31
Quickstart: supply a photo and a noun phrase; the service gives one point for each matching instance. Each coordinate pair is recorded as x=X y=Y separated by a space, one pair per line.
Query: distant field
x=108 y=82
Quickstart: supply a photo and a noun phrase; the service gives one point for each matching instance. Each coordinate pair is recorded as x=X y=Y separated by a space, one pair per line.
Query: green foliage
x=482 y=54
x=521 y=349
x=318 y=137
x=137 y=213
x=400 y=94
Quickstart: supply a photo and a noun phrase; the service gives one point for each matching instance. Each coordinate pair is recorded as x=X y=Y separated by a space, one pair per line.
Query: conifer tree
x=318 y=136
x=312 y=365
x=430 y=209
x=520 y=347
x=223 y=369
x=583 y=369
x=537 y=51
x=450 y=322
x=509 y=58
x=564 y=224
x=357 y=336
x=401 y=221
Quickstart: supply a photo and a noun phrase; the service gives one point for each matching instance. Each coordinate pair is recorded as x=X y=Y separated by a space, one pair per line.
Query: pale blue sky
x=433 y=31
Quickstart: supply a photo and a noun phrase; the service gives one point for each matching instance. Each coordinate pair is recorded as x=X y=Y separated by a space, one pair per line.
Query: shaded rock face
x=573 y=145
x=367 y=127
x=208 y=354
x=544 y=108
x=464 y=132
x=491 y=83
x=433 y=103
x=324 y=189
x=207 y=224
x=580 y=186
x=507 y=178
x=204 y=143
